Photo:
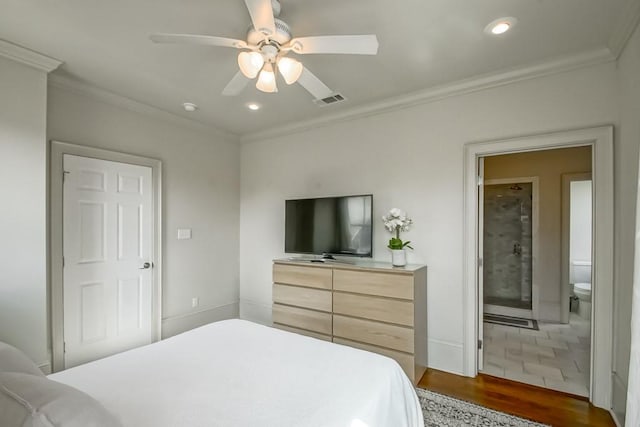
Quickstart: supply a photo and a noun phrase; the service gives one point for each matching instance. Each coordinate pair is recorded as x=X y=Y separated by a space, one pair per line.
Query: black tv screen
x=329 y=225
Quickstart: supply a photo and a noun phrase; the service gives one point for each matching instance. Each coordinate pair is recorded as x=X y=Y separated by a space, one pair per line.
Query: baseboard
x=618 y=400
x=255 y=312
x=445 y=356
x=174 y=325
x=45 y=368
x=615 y=418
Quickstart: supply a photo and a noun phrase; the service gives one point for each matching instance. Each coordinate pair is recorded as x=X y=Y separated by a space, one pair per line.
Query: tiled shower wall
x=507 y=259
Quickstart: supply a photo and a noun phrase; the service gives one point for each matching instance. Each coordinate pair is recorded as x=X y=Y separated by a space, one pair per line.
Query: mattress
x=237 y=373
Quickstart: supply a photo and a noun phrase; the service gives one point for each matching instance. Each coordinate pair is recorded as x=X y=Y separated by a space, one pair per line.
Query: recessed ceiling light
x=500 y=26
x=188 y=106
x=253 y=106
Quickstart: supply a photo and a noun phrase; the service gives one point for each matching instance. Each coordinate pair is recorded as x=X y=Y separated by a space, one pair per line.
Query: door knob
x=145 y=266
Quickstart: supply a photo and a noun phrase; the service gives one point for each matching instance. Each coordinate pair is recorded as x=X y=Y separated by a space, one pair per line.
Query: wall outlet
x=195 y=301
x=184 y=233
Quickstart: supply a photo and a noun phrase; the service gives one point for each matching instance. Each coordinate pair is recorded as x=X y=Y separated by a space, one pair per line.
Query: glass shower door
x=507 y=249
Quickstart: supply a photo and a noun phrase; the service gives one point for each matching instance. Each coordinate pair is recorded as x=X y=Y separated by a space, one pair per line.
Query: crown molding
x=28 y=57
x=478 y=83
x=626 y=24
x=102 y=95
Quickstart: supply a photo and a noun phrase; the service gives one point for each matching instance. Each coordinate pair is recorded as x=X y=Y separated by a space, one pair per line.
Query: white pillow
x=13 y=360
x=33 y=401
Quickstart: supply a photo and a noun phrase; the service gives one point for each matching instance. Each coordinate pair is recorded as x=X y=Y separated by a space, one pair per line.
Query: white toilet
x=580 y=276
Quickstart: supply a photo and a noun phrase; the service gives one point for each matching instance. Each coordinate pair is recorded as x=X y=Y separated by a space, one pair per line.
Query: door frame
x=57 y=151
x=535 y=290
x=567 y=179
x=601 y=141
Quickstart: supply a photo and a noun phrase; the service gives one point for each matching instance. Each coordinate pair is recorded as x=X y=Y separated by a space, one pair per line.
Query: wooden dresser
x=368 y=305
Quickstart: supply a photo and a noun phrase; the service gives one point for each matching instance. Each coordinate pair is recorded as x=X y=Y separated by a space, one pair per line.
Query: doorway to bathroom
x=530 y=334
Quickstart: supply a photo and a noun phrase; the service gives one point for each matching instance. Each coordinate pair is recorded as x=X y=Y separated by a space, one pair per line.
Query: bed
x=238 y=373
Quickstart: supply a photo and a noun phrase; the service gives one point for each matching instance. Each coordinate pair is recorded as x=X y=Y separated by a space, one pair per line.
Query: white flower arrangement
x=396 y=221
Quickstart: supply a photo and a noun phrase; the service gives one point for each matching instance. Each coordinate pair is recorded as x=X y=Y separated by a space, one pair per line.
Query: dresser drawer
x=317 y=299
x=302 y=318
x=313 y=277
x=303 y=332
x=375 y=308
x=371 y=332
x=406 y=361
x=392 y=285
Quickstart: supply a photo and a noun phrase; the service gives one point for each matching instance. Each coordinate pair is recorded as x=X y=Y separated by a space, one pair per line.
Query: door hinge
x=479 y=344
x=64 y=347
x=64 y=175
x=479 y=262
x=62 y=262
x=479 y=180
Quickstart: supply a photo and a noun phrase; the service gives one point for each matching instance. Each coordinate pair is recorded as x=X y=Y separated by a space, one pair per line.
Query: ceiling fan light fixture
x=290 y=69
x=267 y=79
x=250 y=63
x=190 y=107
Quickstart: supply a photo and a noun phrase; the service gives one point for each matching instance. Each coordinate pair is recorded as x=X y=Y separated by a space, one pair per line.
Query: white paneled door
x=108 y=259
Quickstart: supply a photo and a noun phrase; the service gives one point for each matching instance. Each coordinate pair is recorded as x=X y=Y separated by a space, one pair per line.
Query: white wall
x=580 y=221
x=200 y=190
x=411 y=159
x=23 y=276
x=626 y=175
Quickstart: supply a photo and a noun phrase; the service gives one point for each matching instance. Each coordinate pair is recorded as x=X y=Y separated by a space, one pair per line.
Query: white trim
x=567 y=179
x=619 y=395
x=461 y=87
x=601 y=141
x=129 y=104
x=535 y=221
x=446 y=355
x=58 y=149
x=480 y=264
x=627 y=23
x=173 y=325
x=199 y=311
x=28 y=57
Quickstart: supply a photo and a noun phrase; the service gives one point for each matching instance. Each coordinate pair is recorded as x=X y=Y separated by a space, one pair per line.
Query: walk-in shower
x=507 y=248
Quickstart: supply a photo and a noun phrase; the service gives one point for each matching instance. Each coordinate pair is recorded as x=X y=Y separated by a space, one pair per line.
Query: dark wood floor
x=527 y=401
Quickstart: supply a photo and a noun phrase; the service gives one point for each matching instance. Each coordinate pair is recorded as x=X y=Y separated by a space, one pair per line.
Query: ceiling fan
x=269 y=41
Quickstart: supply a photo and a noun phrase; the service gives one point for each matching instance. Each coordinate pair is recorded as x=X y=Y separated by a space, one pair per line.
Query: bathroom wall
x=580 y=230
x=548 y=166
x=507 y=245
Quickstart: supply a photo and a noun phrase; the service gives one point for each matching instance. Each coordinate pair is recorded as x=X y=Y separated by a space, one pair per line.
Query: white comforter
x=237 y=373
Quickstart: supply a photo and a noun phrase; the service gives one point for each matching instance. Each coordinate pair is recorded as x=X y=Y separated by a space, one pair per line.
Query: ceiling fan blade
x=313 y=84
x=261 y=13
x=236 y=85
x=198 y=39
x=358 y=45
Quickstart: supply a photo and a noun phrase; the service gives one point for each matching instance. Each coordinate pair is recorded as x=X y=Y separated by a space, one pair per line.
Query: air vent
x=335 y=98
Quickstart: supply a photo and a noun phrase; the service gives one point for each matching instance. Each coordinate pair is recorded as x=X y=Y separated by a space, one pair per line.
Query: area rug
x=444 y=411
x=516 y=322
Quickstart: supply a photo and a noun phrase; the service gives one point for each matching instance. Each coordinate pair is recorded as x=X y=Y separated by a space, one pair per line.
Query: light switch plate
x=184 y=233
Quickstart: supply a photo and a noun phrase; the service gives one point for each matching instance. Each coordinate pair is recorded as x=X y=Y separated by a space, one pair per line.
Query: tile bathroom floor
x=556 y=357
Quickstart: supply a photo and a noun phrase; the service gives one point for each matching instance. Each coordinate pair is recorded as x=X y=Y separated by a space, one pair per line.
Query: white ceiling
x=423 y=44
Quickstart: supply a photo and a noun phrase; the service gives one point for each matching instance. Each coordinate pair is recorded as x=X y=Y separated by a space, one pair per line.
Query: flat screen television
x=329 y=225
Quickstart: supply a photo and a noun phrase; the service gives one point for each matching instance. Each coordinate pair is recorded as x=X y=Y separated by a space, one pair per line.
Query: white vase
x=398 y=257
